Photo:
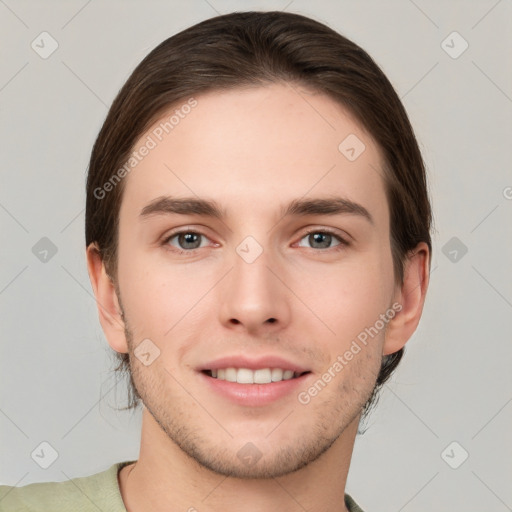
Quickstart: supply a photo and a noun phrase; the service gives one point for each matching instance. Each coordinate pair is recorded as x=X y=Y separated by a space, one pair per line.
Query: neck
x=166 y=479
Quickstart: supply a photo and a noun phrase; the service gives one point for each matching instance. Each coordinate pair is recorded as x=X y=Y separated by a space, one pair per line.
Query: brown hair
x=252 y=48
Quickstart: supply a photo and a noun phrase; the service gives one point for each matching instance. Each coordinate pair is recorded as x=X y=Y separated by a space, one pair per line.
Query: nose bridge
x=252 y=294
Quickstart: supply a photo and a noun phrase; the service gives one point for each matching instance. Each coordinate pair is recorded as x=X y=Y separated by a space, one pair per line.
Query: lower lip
x=254 y=395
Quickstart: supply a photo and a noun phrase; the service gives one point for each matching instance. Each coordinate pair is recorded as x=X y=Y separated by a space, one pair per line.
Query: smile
x=248 y=376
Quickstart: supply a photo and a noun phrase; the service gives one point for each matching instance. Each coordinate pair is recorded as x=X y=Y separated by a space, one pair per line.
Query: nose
x=254 y=297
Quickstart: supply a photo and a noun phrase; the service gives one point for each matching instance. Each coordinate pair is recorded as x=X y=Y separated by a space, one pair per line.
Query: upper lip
x=253 y=363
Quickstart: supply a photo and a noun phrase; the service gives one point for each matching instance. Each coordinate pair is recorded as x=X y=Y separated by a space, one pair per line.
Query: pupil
x=319 y=236
x=189 y=238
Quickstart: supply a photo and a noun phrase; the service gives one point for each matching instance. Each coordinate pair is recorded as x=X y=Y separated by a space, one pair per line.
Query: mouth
x=249 y=376
x=251 y=380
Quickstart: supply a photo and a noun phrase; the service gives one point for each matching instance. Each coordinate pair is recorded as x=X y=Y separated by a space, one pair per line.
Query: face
x=260 y=291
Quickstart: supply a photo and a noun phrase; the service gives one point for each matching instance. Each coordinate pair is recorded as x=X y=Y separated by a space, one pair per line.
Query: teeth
x=247 y=376
x=277 y=374
x=263 y=376
x=244 y=376
x=231 y=374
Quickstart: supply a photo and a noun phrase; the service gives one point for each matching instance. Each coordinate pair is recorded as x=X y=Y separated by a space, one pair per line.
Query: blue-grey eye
x=187 y=240
x=321 y=240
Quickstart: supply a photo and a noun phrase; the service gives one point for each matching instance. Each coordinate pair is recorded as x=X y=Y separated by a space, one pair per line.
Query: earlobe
x=109 y=309
x=411 y=297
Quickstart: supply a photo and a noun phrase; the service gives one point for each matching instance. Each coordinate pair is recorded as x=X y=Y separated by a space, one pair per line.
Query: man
x=258 y=243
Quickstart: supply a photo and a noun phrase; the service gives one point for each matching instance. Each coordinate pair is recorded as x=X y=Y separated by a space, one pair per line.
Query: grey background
x=455 y=382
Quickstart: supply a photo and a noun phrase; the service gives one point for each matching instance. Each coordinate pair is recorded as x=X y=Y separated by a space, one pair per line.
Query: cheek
x=347 y=296
x=351 y=298
x=159 y=299
x=142 y=290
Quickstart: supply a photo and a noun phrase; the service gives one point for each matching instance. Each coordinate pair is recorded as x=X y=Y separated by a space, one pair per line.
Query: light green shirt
x=95 y=493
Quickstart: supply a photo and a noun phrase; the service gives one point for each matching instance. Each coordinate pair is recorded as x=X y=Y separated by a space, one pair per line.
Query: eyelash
x=342 y=242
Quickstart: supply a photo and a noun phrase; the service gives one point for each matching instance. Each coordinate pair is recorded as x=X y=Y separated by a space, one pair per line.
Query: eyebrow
x=166 y=205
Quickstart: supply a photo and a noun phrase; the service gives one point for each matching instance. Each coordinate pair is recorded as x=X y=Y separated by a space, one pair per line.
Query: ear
x=411 y=297
x=109 y=309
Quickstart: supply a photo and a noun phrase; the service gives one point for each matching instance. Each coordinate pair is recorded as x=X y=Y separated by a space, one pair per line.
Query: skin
x=253 y=150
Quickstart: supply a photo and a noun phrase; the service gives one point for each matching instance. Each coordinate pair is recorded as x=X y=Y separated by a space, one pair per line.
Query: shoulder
x=95 y=492
x=351 y=504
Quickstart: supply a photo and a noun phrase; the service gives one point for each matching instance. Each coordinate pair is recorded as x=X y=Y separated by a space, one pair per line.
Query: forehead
x=256 y=148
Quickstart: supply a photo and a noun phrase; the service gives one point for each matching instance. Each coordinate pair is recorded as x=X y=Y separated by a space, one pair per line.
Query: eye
x=322 y=239
x=187 y=240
